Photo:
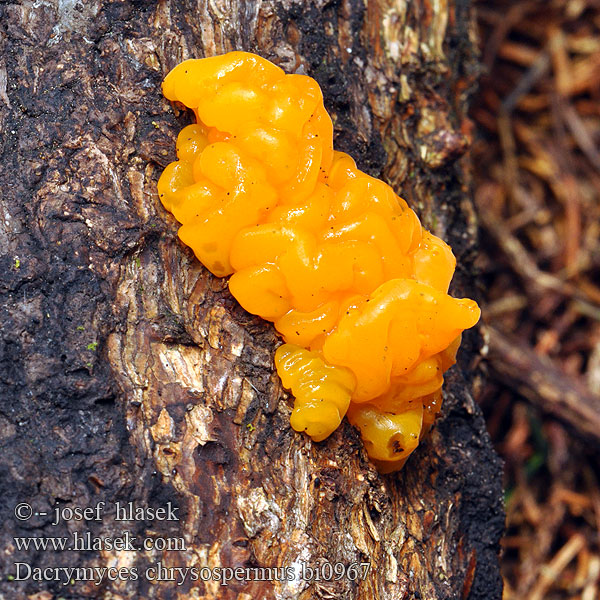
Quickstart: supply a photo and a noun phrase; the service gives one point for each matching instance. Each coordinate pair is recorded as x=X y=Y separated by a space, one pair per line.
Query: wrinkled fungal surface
x=340 y=264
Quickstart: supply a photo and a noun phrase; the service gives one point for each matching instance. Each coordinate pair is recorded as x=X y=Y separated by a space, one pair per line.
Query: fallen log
x=131 y=377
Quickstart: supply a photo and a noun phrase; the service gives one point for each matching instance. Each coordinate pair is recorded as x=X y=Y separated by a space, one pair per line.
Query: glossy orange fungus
x=333 y=257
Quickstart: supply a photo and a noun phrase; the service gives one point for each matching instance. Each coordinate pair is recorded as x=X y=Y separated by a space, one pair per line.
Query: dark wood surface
x=129 y=374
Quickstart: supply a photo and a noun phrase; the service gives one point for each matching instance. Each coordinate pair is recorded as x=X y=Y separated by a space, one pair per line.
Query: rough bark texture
x=129 y=373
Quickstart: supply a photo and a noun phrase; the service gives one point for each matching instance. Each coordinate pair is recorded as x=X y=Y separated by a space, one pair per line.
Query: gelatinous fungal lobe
x=333 y=257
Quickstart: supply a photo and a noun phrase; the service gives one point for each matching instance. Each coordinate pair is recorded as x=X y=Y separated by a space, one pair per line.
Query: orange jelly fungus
x=333 y=257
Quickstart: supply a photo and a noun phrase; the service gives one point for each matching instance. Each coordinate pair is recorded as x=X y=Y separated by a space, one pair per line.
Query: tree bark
x=129 y=373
